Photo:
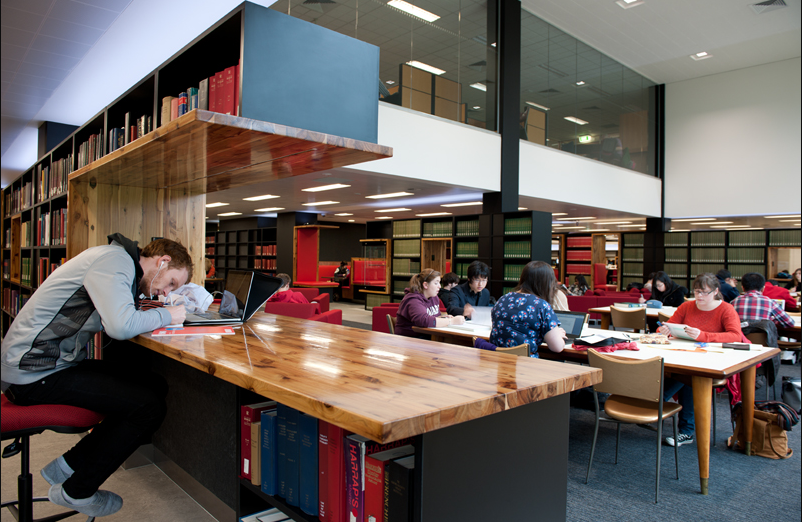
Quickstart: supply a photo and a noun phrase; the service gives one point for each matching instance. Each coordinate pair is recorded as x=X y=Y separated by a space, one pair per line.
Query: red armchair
x=309 y=311
x=313 y=295
x=600 y=278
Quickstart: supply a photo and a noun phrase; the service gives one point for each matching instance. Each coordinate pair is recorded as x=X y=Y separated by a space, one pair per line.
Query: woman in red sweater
x=708 y=319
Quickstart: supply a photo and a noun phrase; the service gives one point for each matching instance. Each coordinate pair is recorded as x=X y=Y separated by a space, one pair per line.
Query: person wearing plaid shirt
x=754 y=306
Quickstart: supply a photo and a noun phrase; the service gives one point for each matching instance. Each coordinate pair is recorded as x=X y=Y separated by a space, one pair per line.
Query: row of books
x=675 y=239
x=51 y=228
x=210 y=251
x=405 y=267
x=407 y=228
x=19 y=198
x=634 y=240
x=26 y=234
x=578 y=255
x=707 y=255
x=785 y=238
x=633 y=270
x=513 y=272
x=746 y=255
x=52 y=180
x=265 y=250
x=14 y=300
x=747 y=238
x=399 y=286
x=675 y=271
x=323 y=469
x=25 y=272
x=581 y=269
x=468 y=228
x=406 y=248
x=518 y=249
x=130 y=131
x=46 y=267
x=518 y=226
x=673 y=255
x=738 y=271
x=582 y=242
x=466 y=249
x=437 y=229
x=218 y=93
x=632 y=254
x=461 y=269
x=705 y=239
x=91 y=149
x=264 y=264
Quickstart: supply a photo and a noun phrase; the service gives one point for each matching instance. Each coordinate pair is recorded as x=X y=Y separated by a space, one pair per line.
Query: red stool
x=19 y=423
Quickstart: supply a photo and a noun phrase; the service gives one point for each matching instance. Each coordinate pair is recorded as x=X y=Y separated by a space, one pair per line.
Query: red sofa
x=313 y=295
x=309 y=311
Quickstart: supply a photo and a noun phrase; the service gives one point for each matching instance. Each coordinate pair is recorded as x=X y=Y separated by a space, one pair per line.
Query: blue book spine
x=269 y=453
x=293 y=449
x=282 y=449
x=309 y=464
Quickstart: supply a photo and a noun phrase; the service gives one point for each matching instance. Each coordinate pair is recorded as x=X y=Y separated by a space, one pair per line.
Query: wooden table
x=480 y=415
x=604 y=312
x=702 y=368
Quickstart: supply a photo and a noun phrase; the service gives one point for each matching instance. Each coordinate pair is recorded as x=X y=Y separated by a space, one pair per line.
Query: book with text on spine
x=269 y=484
x=248 y=414
x=375 y=466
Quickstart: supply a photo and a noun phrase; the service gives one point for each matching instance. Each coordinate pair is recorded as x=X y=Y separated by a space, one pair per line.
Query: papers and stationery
x=245 y=293
x=481 y=316
x=193 y=330
x=468 y=327
x=678 y=330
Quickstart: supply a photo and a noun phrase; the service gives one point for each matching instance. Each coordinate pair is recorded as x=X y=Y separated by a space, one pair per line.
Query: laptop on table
x=245 y=293
x=572 y=323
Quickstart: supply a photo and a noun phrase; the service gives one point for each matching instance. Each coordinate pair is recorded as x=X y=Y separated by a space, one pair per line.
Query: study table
x=479 y=415
x=680 y=357
x=604 y=312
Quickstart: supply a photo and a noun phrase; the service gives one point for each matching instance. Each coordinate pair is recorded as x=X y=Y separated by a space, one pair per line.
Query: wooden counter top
x=380 y=386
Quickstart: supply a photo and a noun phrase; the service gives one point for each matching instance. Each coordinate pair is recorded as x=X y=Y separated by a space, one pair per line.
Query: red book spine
x=354 y=479
x=228 y=89
x=323 y=466
x=212 y=94
x=336 y=472
x=374 y=488
x=236 y=88
x=246 y=416
x=220 y=80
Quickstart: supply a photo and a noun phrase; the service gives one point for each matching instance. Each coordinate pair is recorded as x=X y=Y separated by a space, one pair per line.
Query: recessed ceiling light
x=480 y=86
x=598 y=230
x=576 y=120
x=269 y=209
x=627 y=226
x=626 y=4
x=210 y=205
x=614 y=223
x=394 y=210
x=319 y=203
x=694 y=219
x=466 y=204
x=701 y=56
x=325 y=187
x=538 y=106
x=572 y=228
x=343 y=214
x=425 y=67
x=390 y=82
x=350 y=220
x=476 y=107
x=260 y=198
x=729 y=226
x=231 y=214
x=575 y=218
x=522 y=208
x=789 y=220
x=415 y=11
x=716 y=223
x=555 y=213
x=434 y=214
x=389 y=195
x=385 y=217
x=776 y=217
x=580 y=82
x=751 y=228
x=680 y=230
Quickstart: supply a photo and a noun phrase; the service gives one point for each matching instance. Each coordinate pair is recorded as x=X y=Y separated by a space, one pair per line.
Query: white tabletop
x=652 y=312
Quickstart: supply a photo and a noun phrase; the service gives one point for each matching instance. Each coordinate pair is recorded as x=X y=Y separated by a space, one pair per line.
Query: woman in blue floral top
x=525 y=315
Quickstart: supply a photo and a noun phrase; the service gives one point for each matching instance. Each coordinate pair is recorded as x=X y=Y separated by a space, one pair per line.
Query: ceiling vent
x=769 y=5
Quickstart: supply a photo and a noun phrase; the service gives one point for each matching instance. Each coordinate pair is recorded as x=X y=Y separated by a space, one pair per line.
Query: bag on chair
x=771 y=420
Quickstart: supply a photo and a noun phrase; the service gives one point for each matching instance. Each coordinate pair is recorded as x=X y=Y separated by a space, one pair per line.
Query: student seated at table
x=773 y=291
x=284 y=294
x=754 y=306
x=649 y=283
x=447 y=283
x=341 y=276
x=708 y=319
x=560 y=301
x=472 y=293
x=795 y=285
x=728 y=285
x=665 y=290
x=580 y=286
x=524 y=315
x=421 y=306
x=209 y=265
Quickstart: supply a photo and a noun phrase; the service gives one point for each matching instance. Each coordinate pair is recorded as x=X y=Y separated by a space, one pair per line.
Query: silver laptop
x=572 y=323
x=245 y=293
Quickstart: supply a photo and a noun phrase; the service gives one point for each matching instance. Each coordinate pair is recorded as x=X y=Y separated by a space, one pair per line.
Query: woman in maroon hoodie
x=421 y=306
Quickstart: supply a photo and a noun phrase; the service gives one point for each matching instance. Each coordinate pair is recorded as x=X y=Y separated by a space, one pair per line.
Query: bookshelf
x=516 y=240
x=578 y=256
x=632 y=255
x=558 y=256
x=249 y=249
x=371 y=274
x=472 y=241
x=406 y=259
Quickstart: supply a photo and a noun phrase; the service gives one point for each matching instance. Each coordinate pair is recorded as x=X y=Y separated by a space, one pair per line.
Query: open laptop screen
x=572 y=322
x=238 y=283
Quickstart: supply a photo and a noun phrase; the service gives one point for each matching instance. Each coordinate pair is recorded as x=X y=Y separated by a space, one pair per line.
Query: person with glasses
x=421 y=306
x=708 y=319
x=471 y=293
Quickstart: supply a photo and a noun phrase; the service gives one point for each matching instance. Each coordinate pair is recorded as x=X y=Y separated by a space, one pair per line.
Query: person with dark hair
x=728 y=290
x=44 y=358
x=665 y=290
x=580 y=286
x=284 y=294
x=560 y=299
x=649 y=283
x=754 y=306
x=795 y=285
x=341 y=276
x=708 y=319
x=447 y=283
x=421 y=306
x=471 y=293
x=773 y=291
x=524 y=315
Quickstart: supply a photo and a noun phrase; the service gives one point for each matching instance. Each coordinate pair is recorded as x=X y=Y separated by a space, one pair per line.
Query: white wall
x=733 y=143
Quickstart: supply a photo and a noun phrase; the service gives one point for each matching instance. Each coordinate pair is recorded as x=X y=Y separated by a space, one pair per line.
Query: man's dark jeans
x=132 y=400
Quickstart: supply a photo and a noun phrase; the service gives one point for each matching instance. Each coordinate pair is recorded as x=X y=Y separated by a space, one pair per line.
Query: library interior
x=480 y=175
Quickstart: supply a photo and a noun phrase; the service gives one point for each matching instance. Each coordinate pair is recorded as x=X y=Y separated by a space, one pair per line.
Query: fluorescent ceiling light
x=390 y=82
x=260 y=198
x=319 y=203
x=476 y=107
x=626 y=4
x=580 y=82
x=729 y=226
x=343 y=214
x=598 y=230
x=615 y=223
x=694 y=219
x=350 y=220
x=576 y=120
x=425 y=67
x=394 y=210
x=480 y=86
x=210 y=205
x=626 y=226
x=522 y=208
x=390 y=195
x=680 y=230
x=385 y=217
x=434 y=214
x=716 y=223
x=231 y=214
x=701 y=56
x=789 y=220
x=415 y=11
x=325 y=187
x=751 y=228
x=537 y=106
x=269 y=209
x=556 y=213
x=572 y=228
x=574 y=218
x=466 y=204
x=776 y=217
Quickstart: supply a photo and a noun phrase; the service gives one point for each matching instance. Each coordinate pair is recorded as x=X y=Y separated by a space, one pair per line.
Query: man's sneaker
x=681 y=439
x=53 y=473
x=101 y=504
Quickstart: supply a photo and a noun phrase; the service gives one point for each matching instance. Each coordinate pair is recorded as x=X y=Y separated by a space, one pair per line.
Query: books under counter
x=218 y=93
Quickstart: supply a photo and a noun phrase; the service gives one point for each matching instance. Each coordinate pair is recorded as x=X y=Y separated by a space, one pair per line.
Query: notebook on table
x=572 y=323
x=480 y=320
x=245 y=293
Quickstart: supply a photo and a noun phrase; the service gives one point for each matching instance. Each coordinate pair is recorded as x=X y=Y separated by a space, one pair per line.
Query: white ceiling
x=52 y=51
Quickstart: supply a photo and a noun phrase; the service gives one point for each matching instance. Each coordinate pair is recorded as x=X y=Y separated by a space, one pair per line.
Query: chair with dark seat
x=636 y=389
x=19 y=423
x=663 y=317
x=762 y=339
x=634 y=318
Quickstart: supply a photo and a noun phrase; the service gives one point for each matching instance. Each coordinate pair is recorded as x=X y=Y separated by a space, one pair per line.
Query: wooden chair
x=636 y=389
x=634 y=318
x=663 y=317
x=391 y=323
x=521 y=349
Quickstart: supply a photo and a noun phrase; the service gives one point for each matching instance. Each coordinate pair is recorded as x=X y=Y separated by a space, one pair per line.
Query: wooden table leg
x=605 y=321
x=702 y=397
x=748 y=404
